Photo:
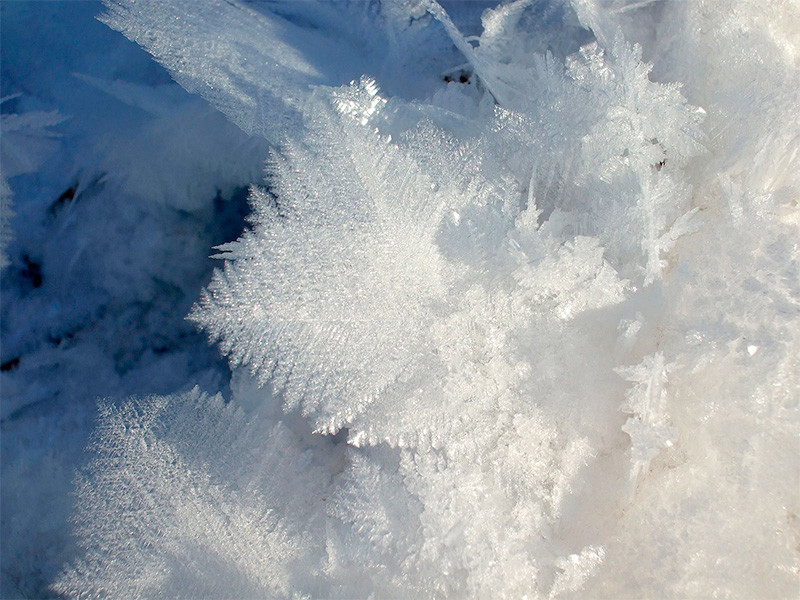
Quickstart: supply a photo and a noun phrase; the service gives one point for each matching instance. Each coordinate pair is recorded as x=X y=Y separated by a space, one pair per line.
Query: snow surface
x=514 y=308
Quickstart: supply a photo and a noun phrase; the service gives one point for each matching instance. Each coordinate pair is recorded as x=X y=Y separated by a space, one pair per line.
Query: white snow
x=512 y=310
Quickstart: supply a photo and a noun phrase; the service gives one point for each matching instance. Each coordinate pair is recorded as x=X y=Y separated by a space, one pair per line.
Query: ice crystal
x=192 y=501
x=648 y=426
x=447 y=297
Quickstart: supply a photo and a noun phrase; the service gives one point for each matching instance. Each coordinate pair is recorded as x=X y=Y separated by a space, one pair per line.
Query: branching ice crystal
x=449 y=285
x=648 y=426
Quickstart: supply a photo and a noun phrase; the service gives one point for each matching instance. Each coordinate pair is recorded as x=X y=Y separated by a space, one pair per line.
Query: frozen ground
x=513 y=311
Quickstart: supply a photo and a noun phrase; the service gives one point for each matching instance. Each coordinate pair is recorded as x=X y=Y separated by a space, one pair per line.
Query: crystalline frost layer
x=552 y=320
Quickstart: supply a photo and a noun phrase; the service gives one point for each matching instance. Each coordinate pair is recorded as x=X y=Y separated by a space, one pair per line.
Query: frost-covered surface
x=122 y=182
x=516 y=312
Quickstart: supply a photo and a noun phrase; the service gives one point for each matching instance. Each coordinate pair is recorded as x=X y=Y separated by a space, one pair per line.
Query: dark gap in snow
x=230 y=216
x=32 y=272
x=9 y=364
x=66 y=196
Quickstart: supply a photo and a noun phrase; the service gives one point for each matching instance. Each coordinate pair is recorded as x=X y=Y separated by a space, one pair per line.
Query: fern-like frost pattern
x=487 y=343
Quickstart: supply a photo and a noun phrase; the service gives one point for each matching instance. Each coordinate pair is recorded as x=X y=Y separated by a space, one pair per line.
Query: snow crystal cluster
x=516 y=311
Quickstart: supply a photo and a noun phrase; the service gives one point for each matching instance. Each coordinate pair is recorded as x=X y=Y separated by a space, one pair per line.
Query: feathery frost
x=500 y=337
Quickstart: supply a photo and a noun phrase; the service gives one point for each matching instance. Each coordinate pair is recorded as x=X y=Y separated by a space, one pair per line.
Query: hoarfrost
x=445 y=297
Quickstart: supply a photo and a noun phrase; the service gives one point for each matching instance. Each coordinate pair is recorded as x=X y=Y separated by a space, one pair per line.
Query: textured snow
x=515 y=311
